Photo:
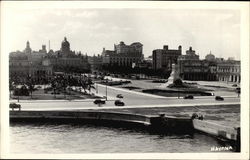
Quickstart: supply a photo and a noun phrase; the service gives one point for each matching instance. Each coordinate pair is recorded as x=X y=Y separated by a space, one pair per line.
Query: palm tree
x=31 y=85
x=54 y=86
x=84 y=85
x=64 y=83
x=90 y=84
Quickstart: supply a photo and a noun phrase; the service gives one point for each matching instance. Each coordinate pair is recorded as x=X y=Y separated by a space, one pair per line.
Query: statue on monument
x=173 y=76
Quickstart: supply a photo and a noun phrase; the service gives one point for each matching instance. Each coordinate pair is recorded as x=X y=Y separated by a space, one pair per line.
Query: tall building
x=123 y=55
x=164 y=58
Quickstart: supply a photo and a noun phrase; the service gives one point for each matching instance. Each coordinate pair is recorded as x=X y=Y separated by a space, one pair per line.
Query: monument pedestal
x=173 y=76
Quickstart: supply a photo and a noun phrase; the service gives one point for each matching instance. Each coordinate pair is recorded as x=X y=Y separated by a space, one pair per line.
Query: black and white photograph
x=124 y=80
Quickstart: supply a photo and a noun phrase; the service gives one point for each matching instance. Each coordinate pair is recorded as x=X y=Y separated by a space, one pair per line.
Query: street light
x=178 y=93
x=106 y=89
x=96 y=88
x=18 y=94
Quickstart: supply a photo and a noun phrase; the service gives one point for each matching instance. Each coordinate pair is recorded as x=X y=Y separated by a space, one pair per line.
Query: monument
x=173 y=76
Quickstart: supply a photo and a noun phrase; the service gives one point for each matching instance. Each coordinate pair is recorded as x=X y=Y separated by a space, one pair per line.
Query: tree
x=11 y=87
x=84 y=85
x=23 y=91
x=54 y=86
x=64 y=83
x=90 y=84
x=31 y=86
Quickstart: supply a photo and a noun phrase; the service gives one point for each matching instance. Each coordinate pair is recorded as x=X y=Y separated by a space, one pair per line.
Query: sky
x=89 y=30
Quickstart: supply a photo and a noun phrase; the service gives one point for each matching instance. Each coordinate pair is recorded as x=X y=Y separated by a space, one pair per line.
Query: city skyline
x=91 y=30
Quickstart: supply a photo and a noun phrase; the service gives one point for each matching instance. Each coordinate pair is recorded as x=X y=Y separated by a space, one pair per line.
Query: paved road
x=131 y=99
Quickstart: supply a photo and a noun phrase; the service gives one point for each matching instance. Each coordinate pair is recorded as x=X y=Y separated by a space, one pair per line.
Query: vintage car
x=189 y=97
x=13 y=106
x=219 y=98
x=119 y=103
x=119 y=96
x=99 y=101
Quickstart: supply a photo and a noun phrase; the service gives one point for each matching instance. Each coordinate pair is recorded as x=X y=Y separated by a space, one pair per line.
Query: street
x=131 y=99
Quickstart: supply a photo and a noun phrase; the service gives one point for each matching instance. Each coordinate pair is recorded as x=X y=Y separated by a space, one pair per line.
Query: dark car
x=99 y=101
x=235 y=85
x=219 y=98
x=119 y=103
x=119 y=96
x=14 y=105
x=189 y=97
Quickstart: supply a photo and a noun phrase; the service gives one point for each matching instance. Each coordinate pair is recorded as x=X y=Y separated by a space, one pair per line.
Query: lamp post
x=106 y=89
x=96 y=88
x=178 y=93
x=18 y=94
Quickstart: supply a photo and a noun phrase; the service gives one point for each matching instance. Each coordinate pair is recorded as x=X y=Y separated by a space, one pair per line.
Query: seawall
x=153 y=123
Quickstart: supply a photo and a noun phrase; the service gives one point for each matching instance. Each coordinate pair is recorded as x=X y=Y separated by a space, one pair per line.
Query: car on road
x=189 y=97
x=14 y=105
x=119 y=103
x=219 y=98
x=99 y=101
x=234 y=85
x=119 y=96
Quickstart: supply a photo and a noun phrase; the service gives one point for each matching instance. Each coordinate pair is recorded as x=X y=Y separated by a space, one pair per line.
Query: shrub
x=23 y=91
x=178 y=82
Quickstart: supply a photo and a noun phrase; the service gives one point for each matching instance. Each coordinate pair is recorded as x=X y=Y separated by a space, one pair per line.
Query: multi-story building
x=67 y=60
x=123 y=55
x=163 y=58
x=190 y=67
x=229 y=71
x=41 y=65
x=29 y=64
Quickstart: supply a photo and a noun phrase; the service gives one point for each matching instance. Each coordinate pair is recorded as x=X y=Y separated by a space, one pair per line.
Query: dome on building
x=210 y=57
x=65 y=43
x=65 y=47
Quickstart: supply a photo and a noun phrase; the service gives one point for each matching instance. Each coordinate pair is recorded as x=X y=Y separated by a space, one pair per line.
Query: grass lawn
x=210 y=87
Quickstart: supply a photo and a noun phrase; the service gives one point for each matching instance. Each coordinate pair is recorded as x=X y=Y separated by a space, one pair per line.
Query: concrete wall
x=26 y=115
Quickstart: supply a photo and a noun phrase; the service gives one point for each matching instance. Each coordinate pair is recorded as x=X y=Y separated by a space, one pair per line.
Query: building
x=29 y=64
x=229 y=71
x=95 y=62
x=209 y=69
x=146 y=63
x=123 y=55
x=210 y=57
x=41 y=65
x=67 y=60
x=190 y=67
x=163 y=58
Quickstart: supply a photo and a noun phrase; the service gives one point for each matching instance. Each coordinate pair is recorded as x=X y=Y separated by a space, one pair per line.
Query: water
x=73 y=139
